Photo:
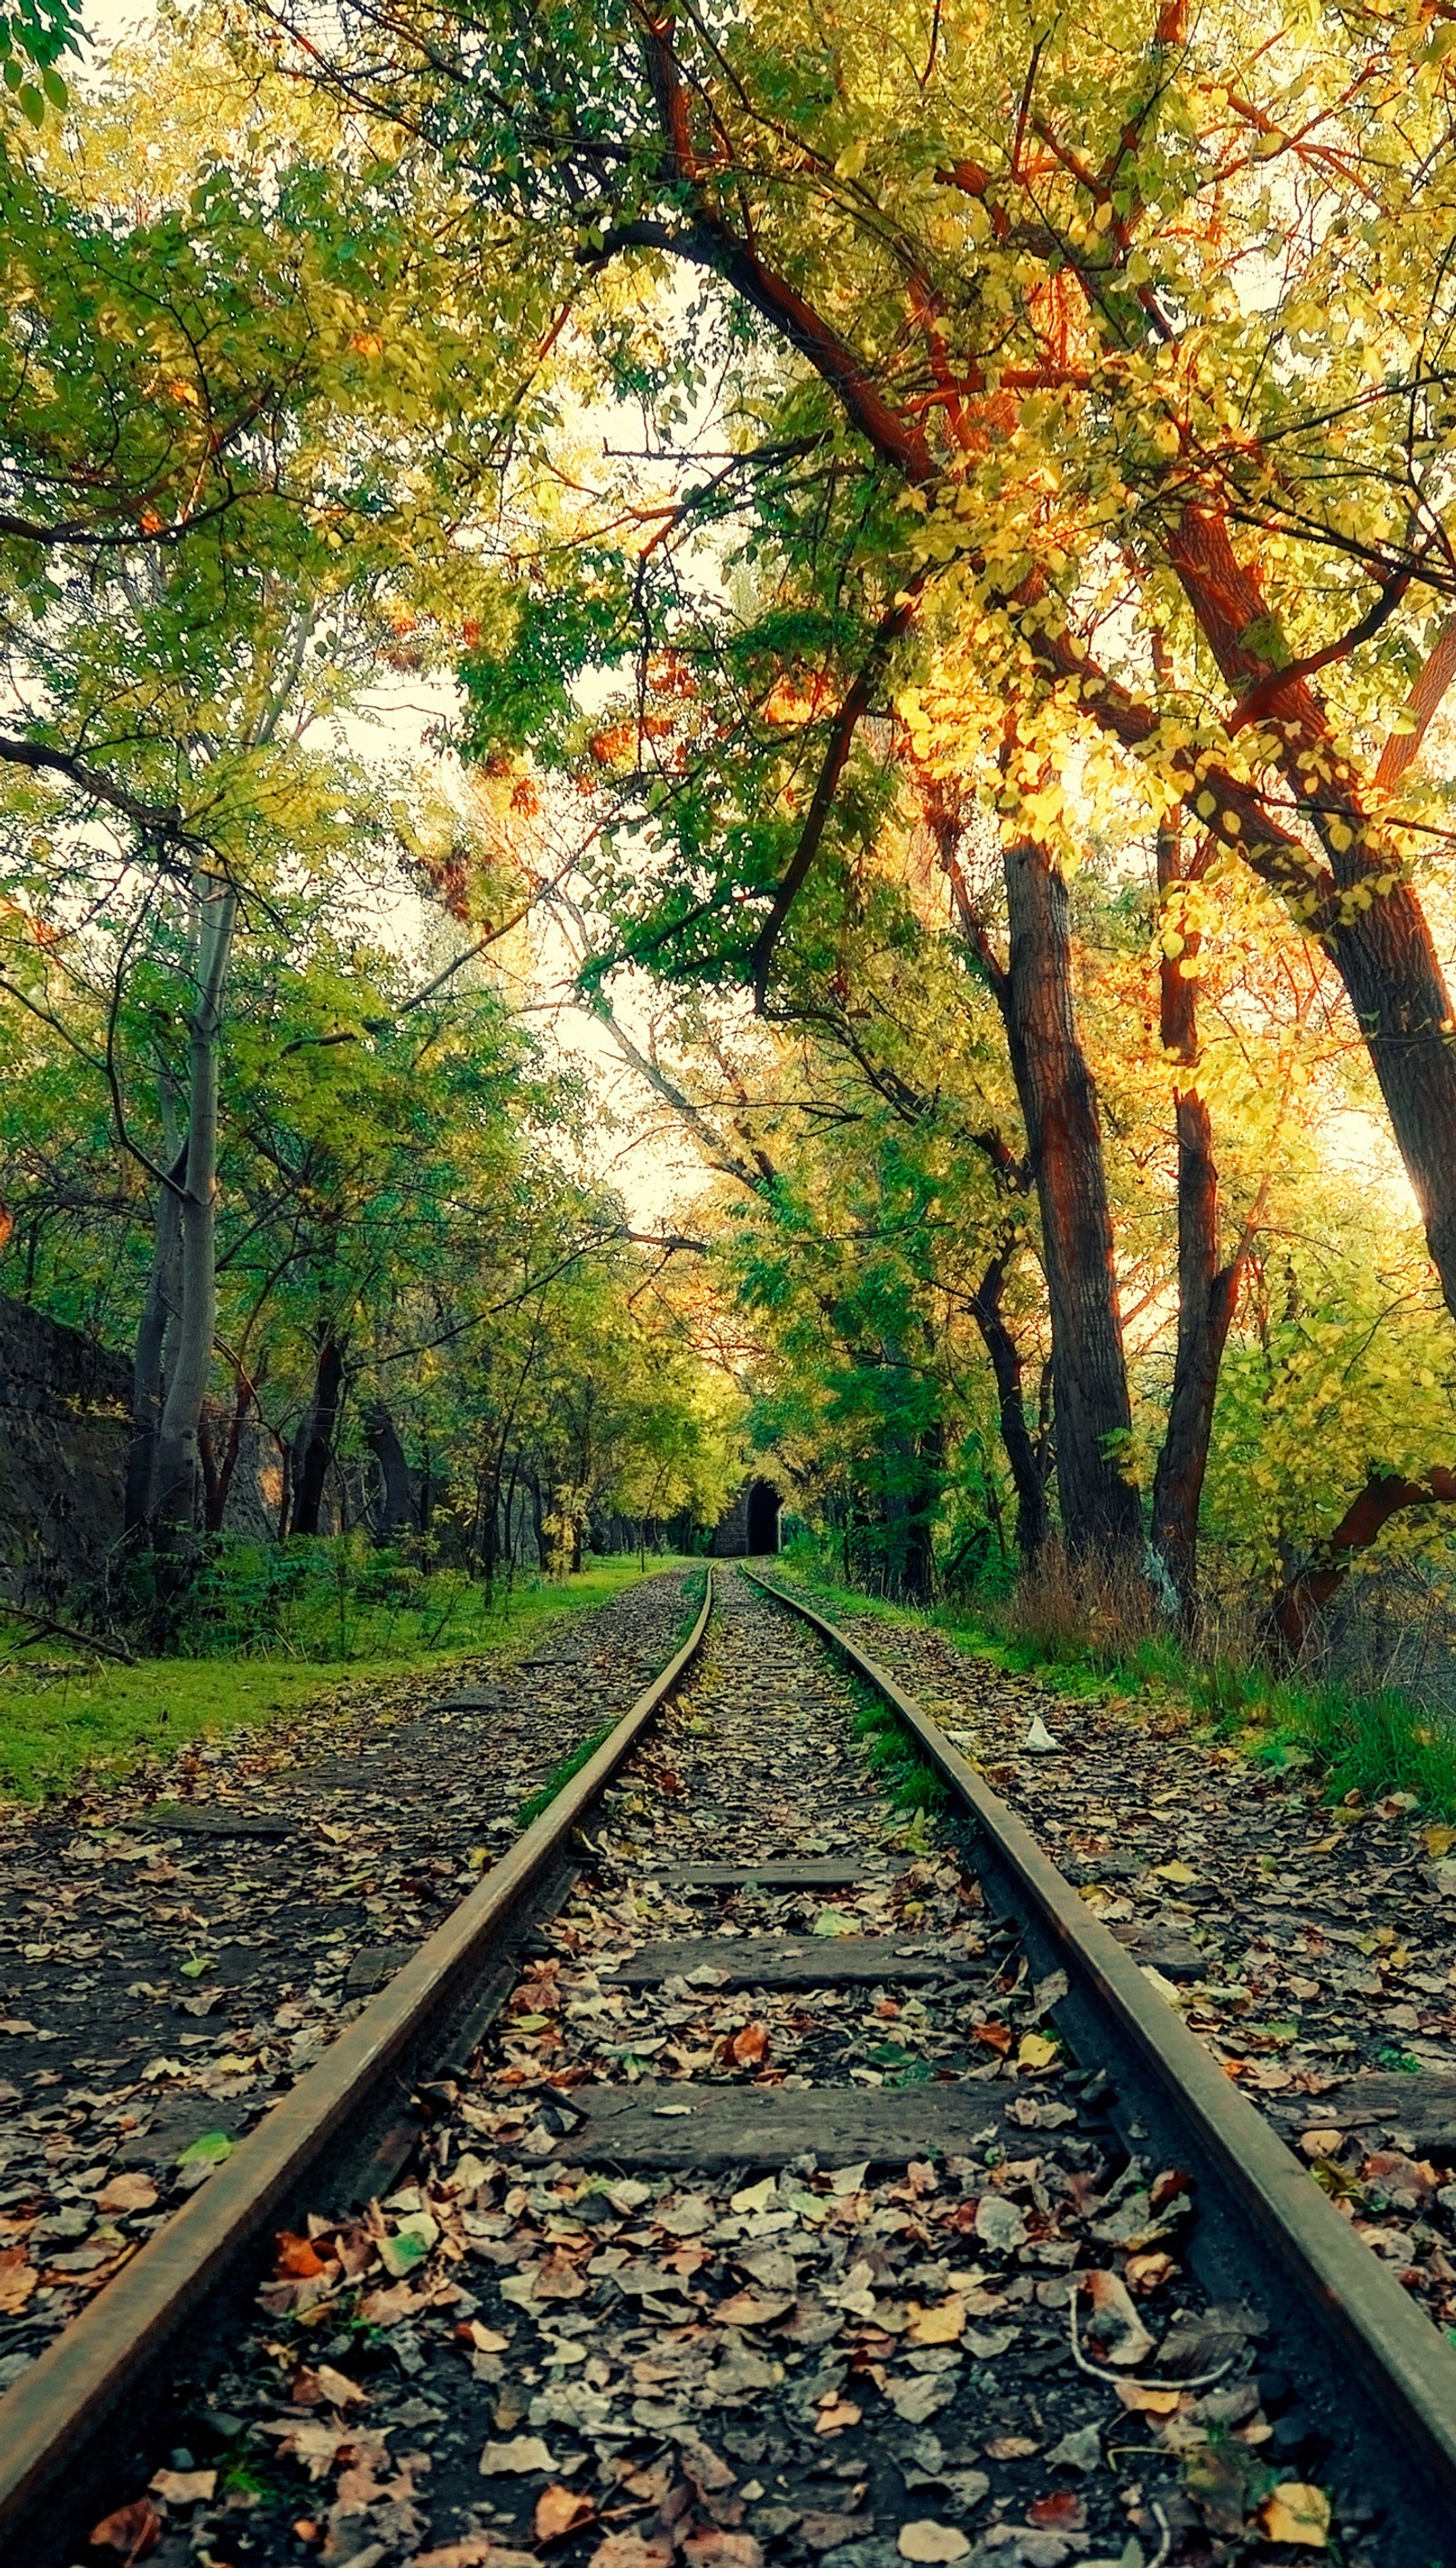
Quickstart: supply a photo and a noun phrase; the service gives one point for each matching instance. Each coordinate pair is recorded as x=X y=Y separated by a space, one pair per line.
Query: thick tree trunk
x=395 y=1510
x=178 y=1460
x=1099 y=1506
x=1207 y=1292
x=1028 y=1479
x=149 y=1380
x=316 y=1443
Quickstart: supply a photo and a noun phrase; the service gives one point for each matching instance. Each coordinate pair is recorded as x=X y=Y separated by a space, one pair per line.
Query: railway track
x=822 y=2182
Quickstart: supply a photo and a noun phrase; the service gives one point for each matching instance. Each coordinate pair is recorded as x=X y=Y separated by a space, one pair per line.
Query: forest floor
x=66 y=1715
x=176 y=1947
x=1324 y=1933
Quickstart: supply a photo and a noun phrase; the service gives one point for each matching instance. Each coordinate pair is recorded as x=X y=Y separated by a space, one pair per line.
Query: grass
x=1368 y=1744
x=60 y=1719
x=560 y=1775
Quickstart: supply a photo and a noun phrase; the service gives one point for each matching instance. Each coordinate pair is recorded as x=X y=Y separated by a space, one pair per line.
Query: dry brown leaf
x=1114 y=2326
x=126 y=2192
x=17 y=2279
x=185 y=2487
x=560 y=2511
x=753 y=2308
x=835 y=2415
x=1011 y=2447
x=751 y=2046
x=298 y=2257
x=722 y=2550
x=134 y=2531
x=1062 y=2512
x=931 y=2542
x=630 y=2550
x=1295 y=2513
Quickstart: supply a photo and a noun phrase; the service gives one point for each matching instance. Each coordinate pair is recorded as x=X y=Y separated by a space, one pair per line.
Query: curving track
x=863 y=2201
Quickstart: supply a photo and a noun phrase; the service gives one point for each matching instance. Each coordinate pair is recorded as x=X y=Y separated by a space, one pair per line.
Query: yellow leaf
x=1177 y=1871
x=1034 y=2051
x=942 y=2324
x=1439 y=1841
x=1295 y=2513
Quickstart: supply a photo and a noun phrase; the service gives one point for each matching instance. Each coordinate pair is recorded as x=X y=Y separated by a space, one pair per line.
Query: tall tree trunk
x=1099 y=1506
x=396 y=1509
x=316 y=1441
x=178 y=1460
x=1028 y=1479
x=159 y=1308
x=1207 y=1291
x=220 y=1470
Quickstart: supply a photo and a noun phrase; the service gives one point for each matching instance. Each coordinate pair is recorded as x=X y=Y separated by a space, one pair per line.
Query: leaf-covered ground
x=998 y=2359
x=162 y=1986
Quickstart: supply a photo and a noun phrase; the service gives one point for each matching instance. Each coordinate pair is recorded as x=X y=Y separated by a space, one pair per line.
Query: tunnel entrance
x=762 y=1519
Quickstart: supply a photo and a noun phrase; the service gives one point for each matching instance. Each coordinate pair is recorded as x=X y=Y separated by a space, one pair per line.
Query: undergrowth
x=1365 y=1743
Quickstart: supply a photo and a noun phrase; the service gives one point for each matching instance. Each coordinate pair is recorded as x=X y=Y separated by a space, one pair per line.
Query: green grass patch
x=62 y=1718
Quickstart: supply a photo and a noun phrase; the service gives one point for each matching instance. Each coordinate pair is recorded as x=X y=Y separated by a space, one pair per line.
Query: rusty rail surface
x=72 y=2391
x=1406 y=2366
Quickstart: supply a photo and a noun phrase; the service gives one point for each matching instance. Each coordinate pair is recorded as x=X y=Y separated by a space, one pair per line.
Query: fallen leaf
x=630 y=2550
x=931 y=2541
x=1035 y=2051
x=753 y=2308
x=722 y=2550
x=751 y=2046
x=185 y=2487
x=1000 y=2225
x=1115 y=2326
x=207 y=2150
x=1061 y=2511
x=832 y=2420
x=1149 y=2403
x=523 y=2453
x=825 y=2532
x=560 y=2511
x=996 y=2037
x=126 y=2193
x=18 y=2280
x=943 y=2323
x=134 y=2530
x=835 y=1921
x=1011 y=2447
x=1178 y=1872
x=297 y=2256
x=337 y=2387
x=1295 y=2513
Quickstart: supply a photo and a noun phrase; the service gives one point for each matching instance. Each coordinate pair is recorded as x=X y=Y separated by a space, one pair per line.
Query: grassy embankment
x=1368 y=1744
x=64 y=1713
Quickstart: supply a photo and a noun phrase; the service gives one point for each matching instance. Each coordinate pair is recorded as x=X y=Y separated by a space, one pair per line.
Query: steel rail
x=72 y=2391
x=1403 y=2360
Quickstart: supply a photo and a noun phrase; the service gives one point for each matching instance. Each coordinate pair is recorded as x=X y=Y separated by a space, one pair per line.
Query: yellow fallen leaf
x=1034 y=2051
x=1295 y=2513
x=1176 y=1872
x=942 y=2324
x=1438 y=1842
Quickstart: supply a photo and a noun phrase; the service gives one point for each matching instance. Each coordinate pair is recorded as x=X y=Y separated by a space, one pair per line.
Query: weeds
x=560 y=1775
x=1088 y=1641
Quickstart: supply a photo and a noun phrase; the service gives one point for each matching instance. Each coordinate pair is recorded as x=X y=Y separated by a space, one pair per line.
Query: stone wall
x=734 y=1538
x=62 y=1454
x=64 y=1408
